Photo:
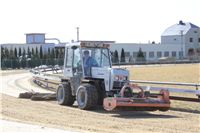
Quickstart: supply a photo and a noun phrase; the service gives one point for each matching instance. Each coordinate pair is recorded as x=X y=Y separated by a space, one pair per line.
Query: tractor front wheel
x=64 y=95
x=87 y=97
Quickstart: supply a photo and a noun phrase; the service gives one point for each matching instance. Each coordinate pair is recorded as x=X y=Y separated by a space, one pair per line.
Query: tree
x=116 y=58
x=36 y=51
x=33 y=52
x=15 y=59
x=2 y=57
x=53 y=53
x=48 y=57
x=52 y=57
x=29 y=53
x=41 y=52
x=24 y=53
x=6 y=53
x=6 y=58
x=35 y=60
x=20 y=51
x=49 y=52
x=2 y=53
x=23 y=59
x=15 y=53
x=23 y=62
x=140 y=56
x=11 y=57
x=56 y=53
x=122 y=59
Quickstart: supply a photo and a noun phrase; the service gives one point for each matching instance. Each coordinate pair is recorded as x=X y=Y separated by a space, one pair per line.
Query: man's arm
x=94 y=62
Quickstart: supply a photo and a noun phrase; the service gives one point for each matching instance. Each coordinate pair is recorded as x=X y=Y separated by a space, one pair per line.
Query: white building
x=179 y=41
x=33 y=42
x=152 y=52
x=185 y=34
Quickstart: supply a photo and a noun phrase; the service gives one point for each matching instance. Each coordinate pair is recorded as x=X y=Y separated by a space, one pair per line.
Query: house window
x=159 y=54
x=180 y=54
x=127 y=54
x=173 y=53
x=199 y=39
x=144 y=53
x=135 y=54
x=166 y=54
x=151 y=54
x=191 y=39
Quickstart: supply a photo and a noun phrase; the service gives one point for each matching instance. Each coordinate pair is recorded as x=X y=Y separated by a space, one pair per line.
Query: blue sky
x=134 y=21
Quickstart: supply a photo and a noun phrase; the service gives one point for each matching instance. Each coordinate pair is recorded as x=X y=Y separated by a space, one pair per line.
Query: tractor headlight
x=120 y=78
x=116 y=77
x=124 y=78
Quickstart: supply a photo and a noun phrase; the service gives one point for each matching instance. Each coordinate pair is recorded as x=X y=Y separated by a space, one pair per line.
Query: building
x=179 y=41
x=185 y=34
x=34 y=43
x=152 y=52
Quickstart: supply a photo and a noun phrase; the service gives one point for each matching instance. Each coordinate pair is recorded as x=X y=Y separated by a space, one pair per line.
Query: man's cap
x=86 y=52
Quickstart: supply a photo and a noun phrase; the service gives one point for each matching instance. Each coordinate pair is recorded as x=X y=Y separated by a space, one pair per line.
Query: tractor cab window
x=77 y=65
x=69 y=53
x=73 y=63
x=94 y=57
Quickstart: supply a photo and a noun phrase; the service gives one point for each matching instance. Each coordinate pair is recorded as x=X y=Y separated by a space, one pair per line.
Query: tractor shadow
x=141 y=115
x=134 y=114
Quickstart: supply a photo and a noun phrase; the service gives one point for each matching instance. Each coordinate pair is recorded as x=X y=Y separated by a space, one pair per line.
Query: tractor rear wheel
x=87 y=97
x=64 y=95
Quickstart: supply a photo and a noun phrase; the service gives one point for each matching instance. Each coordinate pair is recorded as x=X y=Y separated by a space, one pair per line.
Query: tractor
x=90 y=79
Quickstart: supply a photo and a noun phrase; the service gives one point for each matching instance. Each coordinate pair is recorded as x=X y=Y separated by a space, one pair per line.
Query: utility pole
x=77 y=28
x=181 y=32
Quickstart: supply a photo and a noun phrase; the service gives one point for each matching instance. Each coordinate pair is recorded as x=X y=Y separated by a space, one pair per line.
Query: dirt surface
x=48 y=113
x=71 y=118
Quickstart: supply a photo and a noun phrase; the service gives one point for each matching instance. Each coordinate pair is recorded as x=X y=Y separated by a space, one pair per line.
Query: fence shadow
x=185 y=110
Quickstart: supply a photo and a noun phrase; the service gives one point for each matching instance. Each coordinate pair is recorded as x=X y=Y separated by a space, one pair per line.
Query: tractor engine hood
x=120 y=74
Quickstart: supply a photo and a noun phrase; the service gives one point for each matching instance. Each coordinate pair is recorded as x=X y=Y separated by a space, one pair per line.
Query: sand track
x=52 y=115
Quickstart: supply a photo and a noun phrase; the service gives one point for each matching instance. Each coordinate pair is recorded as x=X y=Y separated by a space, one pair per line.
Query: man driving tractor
x=88 y=62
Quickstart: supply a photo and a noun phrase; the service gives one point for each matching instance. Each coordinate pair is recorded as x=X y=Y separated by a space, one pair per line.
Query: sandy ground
x=10 y=126
x=49 y=114
x=15 y=82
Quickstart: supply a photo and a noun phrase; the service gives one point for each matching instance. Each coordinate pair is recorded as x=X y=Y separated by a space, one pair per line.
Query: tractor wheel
x=87 y=97
x=64 y=95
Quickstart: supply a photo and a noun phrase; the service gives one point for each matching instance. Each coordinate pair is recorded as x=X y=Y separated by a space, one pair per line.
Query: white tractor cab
x=90 y=80
x=88 y=75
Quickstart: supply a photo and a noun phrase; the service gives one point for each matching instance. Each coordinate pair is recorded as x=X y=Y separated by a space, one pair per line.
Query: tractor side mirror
x=74 y=47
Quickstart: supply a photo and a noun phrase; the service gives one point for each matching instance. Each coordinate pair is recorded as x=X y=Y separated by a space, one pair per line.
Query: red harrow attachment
x=129 y=99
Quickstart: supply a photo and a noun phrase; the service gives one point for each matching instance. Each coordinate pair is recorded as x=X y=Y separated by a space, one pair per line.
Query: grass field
x=188 y=73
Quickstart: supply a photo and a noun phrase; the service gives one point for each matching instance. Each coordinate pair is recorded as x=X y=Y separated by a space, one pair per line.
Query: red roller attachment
x=138 y=101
